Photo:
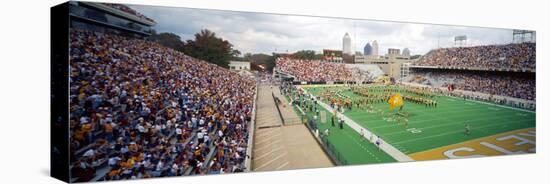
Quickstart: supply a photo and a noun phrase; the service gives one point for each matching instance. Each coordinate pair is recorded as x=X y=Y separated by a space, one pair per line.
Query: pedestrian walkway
x=279 y=147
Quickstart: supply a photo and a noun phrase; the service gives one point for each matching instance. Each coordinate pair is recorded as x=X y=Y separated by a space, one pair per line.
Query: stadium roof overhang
x=108 y=25
x=119 y=13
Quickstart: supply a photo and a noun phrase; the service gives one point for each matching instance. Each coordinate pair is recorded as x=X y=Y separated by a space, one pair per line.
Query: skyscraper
x=375 y=48
x=367 y=50
x=406 y=52
x=346 y=48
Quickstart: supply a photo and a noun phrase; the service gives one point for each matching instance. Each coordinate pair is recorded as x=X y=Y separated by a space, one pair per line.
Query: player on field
x=467 y=129
x=372 y=138
x=378 y=142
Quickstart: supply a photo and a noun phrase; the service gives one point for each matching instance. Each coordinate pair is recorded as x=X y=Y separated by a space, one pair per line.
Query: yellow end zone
x=507 y=143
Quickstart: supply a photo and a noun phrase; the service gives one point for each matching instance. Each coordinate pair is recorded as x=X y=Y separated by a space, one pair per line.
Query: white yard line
x=457 y=123
x=452 y=132
x=436 y=119
x=386 y=147
x=503 y=106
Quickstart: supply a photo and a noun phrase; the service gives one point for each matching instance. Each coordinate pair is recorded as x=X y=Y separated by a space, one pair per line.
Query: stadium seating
x=508 y=84
x=129 y=10
x=322 y=71
x=488 y=57
x=141 y=110
x=373 y=69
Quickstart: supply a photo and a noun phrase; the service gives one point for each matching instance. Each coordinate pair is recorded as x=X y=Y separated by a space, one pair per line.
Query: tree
x=415 y=56
x=170 y=40
x=210 y=48
x=305 y=54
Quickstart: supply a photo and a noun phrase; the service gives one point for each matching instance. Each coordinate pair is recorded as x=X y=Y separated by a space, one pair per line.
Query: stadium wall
x=251 y=128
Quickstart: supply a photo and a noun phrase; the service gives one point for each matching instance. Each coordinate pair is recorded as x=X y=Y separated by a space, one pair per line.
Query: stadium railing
x=251 y=128
x=277 y=102
x=335 y=156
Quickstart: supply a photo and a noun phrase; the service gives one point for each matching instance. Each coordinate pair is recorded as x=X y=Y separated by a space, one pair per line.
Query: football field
x=435 y=132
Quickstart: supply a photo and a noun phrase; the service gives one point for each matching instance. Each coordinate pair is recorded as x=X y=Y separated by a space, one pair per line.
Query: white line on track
x=283 y=165
x=271 y=161
x=268 y=153
x=266 y=145
x=267 y=139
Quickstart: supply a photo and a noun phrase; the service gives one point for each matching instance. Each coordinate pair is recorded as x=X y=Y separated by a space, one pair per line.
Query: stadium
x=140 y=108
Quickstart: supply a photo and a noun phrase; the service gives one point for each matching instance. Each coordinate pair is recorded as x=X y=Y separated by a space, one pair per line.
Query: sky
x=267 y=33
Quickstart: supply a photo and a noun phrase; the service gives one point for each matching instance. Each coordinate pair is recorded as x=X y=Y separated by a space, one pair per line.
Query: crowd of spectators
x=517 y=85
x=315 y=70
x=129 y=10
x=490 y=57
x=140 y=110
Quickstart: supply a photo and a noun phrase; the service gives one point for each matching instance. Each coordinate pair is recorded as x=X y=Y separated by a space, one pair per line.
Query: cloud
x=266 y=33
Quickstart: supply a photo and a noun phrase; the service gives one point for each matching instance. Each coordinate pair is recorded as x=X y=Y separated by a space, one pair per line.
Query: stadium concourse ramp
x=280 y=147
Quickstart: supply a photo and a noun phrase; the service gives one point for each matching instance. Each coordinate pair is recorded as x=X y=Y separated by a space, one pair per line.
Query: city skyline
x=267 y=33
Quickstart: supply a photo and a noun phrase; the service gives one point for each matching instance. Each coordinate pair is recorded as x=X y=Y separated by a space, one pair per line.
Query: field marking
x=361 y=145
x=475 y=144
x=388 y=148
x=503 y=106
x=450 y=124
x=452 y=132
x=457 y=111
x=431 y=120
x=477 y=128
x=460 y=113
x=455 y=123
x=453 y=115
x=447 y=110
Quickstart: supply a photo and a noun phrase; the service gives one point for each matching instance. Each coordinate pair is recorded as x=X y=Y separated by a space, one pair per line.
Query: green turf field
x=428 y=128
x=347 y=145
x=444 y=125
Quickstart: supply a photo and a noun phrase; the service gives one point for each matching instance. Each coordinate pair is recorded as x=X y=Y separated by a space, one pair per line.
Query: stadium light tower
x=521 y=36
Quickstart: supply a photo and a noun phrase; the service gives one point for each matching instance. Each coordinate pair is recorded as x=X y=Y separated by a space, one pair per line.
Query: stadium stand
x=141 y=110
x=372 y=70
x=129 y=10
x=314 y=71
x=322 y=71
x=516 y=57
x=516 y=85
x=504 y=70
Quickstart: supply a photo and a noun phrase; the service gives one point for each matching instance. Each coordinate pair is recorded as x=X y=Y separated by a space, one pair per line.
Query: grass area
x=347 y=145
x=433 y=127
